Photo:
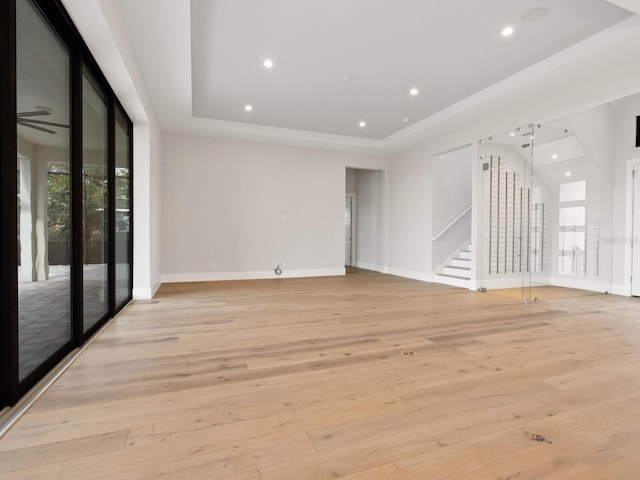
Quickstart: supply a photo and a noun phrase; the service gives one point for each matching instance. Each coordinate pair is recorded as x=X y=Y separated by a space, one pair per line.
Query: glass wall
x=44 y=194
x=65 y=204
x=95 y=198
x=546 y=210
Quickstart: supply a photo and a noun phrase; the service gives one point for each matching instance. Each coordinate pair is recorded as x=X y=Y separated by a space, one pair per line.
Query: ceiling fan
x=24 y=119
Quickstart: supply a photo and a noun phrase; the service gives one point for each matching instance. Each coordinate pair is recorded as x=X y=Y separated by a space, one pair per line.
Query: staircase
x=457 y=271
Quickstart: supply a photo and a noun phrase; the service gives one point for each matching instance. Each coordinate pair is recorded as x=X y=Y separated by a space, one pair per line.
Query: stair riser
x=460 y=263
x=458 y=272
x=465 y=255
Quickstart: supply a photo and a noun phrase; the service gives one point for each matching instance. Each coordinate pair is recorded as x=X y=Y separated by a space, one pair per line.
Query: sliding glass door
x=43 y=89
x=123 y=250
x=66 y=196
x=95 y=198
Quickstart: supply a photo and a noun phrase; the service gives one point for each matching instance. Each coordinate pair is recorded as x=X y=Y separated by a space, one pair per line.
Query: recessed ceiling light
x=554 y=156
x=268 y=63
x=248 y=108
x=347 y=79
x=513 y=134
x=568 y=174
x=405 y=119
x=362 y=124
x=507 y=31
x=414 y=91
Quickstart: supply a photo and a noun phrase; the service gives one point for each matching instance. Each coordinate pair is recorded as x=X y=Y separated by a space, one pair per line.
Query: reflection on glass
x=94 y=203
x=123 y=211
x=44 y=201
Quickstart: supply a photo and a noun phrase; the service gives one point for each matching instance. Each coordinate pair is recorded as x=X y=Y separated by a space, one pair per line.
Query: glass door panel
x=546 y=215
x=577 y=199
x=506 y=200
x=123 y=211
x=44 y=200
x=95 y=218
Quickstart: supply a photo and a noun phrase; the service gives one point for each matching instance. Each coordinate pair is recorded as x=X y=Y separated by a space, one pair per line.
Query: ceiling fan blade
x=33 y=114
x=42 y=122
x=26 y=124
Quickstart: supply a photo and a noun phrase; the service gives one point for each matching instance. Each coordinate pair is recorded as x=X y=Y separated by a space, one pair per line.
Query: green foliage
x=59 y=199
x=94 y=198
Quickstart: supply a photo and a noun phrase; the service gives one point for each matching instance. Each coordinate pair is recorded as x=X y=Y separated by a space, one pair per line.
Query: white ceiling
x=201 y=60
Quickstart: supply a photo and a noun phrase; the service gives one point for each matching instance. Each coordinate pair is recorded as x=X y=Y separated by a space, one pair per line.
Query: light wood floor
x=304 y=379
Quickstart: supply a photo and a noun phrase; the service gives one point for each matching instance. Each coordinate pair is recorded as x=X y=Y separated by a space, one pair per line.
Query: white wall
x=409 y=212
x=625 y=150
x=451 y=185
x=351 y=181
x=369 y=219
x=147 y=201
x=235 y=209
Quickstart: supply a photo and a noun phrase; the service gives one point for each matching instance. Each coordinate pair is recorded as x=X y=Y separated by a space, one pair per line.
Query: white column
x=40 y=216
x=27 y=270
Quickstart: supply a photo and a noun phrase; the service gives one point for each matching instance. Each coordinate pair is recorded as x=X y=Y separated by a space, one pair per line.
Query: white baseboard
x=423 y=277
x=155 y=287
x=254 y=275
x=141 y=294
x=581 y=284
x=620 y=289
x=146 y=293
x=369 y=266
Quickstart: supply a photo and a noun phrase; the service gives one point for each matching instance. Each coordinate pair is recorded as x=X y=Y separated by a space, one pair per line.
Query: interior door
x=635 y=272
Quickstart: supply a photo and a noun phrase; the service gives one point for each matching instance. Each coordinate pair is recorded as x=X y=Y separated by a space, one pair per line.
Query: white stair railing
x=451 y=223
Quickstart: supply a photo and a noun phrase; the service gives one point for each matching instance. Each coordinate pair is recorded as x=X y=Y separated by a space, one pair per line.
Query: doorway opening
x=363 y=235
x=349 y=230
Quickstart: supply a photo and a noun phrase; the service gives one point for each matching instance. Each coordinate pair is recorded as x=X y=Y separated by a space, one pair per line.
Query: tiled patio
x=45 y=310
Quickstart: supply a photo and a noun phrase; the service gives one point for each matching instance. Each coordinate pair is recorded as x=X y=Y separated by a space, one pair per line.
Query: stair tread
x=459 y=268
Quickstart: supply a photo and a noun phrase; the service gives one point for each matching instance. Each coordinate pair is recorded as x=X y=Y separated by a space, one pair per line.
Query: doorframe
x=353 y=229
x=629 y=233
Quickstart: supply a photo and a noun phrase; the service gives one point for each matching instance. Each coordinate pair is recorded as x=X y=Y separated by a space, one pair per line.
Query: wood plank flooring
x=304 y=379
